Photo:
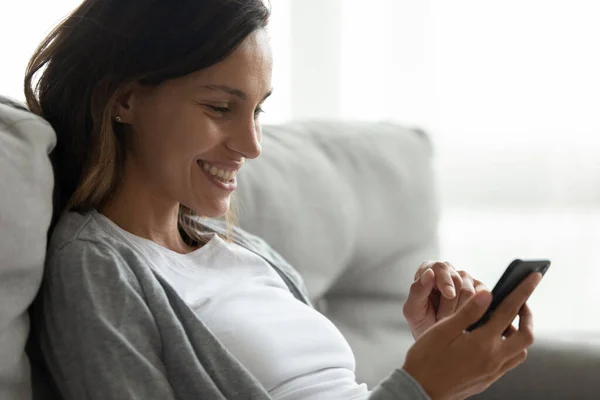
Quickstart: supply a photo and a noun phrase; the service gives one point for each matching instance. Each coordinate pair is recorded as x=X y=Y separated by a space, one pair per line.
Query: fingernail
x=451 y=292
x=482 y=298
x=426 y=278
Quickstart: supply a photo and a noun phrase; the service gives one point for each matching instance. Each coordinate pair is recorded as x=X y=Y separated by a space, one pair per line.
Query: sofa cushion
x=26 y=183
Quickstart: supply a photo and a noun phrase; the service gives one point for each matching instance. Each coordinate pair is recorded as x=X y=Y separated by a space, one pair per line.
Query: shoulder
x=78 y=230
x=80 y=249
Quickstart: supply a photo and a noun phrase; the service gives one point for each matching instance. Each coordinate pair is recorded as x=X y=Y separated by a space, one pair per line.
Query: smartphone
x=516 y=273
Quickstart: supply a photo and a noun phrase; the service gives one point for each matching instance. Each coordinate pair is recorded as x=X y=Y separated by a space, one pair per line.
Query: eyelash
x=226 y=110
x=220 y=110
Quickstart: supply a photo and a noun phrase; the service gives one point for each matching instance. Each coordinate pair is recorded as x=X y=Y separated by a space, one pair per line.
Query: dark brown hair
x=101 y=47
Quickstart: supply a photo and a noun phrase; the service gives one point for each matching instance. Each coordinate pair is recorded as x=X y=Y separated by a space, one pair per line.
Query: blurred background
x=509 y=92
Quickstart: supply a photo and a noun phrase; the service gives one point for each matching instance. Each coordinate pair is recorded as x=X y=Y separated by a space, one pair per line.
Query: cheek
x=179 y=133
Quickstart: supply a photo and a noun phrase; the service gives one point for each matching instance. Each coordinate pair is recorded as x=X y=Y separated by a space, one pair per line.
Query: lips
x=223 y=175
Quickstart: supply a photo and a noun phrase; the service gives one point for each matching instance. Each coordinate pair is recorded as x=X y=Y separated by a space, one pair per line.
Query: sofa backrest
x=341 y=199
x=26 y=184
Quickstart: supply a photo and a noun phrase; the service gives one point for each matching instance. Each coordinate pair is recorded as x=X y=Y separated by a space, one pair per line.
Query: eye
x=258 y=111
x=220 y=110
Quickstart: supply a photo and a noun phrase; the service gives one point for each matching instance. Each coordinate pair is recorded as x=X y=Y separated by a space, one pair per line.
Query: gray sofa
x=352 y=205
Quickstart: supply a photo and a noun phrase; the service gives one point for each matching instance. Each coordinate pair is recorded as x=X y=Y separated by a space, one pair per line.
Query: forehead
x=248 y=68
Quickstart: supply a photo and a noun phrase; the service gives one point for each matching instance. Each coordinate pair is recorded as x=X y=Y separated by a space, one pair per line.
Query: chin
x=212 y=210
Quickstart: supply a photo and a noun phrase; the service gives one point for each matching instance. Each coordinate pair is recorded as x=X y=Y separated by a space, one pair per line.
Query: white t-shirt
x=293 y=350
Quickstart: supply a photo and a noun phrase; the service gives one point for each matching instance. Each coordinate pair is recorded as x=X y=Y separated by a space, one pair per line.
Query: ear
x=125 y=102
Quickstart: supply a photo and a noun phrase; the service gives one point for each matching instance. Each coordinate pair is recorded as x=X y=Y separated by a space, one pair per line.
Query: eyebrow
x=236 y=92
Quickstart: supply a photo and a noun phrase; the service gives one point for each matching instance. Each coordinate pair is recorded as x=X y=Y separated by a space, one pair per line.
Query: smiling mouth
x=223 y=175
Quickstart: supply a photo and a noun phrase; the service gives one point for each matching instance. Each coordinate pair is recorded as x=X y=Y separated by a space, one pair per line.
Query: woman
x=156 y=108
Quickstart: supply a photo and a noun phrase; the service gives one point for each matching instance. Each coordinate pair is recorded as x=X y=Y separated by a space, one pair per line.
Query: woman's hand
x=437 y=292
x=451 y=364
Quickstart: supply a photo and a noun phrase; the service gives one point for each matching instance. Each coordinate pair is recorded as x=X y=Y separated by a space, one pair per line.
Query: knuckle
x=422 y=268
x=414 y=287
x=449 y=265
x=463 y=274
x=406 y=310
x=425 y=265
x=526 y=311
x=528 y=338
x=485 y=386
x=409 y=311
x=523 y=355
x=439 y=265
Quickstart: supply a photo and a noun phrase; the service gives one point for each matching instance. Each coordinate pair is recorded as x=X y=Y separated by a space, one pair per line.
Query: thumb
x=470 y=312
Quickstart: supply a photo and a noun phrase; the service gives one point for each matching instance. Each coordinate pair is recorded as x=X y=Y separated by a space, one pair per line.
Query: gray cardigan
x=110 y=328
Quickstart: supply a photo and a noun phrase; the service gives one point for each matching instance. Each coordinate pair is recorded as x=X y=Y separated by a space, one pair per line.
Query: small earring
x=118 y=118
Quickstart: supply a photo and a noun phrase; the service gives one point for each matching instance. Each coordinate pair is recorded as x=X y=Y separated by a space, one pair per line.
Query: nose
x=246 y=139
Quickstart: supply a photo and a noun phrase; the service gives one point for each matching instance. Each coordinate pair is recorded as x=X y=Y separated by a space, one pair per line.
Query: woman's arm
x=399 y=386
x=97 y=334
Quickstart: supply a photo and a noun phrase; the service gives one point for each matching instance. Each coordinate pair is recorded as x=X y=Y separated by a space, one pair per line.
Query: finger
x=427 y=278
x=468 y=288
x=479 y=286
x=418 y=297
x=523 y=338
x=447 y=307
x=447 y=280
x=513 y=362
x=507 y=311
x=457 y=278
x=486 y=381
x=511 y=330
x=425 y=265
x=434 y=300
x=472 y=311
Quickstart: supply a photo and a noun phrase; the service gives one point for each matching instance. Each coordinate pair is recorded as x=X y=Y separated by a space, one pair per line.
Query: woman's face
x=188 y=137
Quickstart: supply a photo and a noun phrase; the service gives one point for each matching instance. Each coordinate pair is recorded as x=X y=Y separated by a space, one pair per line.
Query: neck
x=139 y=210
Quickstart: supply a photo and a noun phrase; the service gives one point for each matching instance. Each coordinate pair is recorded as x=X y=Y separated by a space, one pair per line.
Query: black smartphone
x=516 y=273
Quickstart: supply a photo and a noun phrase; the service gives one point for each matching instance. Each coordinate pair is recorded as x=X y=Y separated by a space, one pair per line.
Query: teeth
x=221 y=174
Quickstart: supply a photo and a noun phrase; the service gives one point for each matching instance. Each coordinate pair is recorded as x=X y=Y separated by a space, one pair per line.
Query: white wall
x=23 y=25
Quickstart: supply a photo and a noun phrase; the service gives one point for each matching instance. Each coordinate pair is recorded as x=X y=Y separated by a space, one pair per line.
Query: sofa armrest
x=26 y=184
x=554 y=370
